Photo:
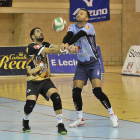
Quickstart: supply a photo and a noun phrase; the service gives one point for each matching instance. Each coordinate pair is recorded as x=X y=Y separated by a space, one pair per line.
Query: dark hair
x=88 y=14
x=32 y=32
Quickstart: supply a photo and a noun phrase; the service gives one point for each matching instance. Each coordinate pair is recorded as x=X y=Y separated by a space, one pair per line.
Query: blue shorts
x=84 y=72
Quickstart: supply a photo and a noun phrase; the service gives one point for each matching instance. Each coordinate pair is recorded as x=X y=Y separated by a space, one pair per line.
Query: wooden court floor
x=123 y=92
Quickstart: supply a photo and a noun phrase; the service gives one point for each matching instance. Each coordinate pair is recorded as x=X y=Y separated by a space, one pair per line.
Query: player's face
x=82 y=16
x=38 y=35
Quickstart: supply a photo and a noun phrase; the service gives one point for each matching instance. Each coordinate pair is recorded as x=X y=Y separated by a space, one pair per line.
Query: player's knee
x=76 y=93
x=55 y=97
x=98 y=93
x=28 y=108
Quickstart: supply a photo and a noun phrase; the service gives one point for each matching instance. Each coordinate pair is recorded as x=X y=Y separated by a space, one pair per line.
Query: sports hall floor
x=123 y=92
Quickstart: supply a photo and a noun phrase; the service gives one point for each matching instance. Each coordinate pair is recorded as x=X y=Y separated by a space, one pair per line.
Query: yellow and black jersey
x=37 y=66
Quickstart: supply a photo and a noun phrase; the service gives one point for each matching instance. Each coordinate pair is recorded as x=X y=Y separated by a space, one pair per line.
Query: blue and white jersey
x=87 y=52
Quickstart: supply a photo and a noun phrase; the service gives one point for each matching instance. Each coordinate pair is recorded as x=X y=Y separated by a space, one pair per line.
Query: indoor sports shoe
x=61 y=129
x=79 y=122
x=26 y=127
x=114 y=120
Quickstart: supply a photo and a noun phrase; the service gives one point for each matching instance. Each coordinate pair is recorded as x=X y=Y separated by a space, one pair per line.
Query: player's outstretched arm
x=55 y=46
x=54 y=49
x=69 y=49
x=51 y=50
x=66 y=38
x=76 y=37
x=72 y=40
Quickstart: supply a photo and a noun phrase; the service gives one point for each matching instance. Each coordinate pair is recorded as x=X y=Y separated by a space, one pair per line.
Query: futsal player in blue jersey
x=82 y=34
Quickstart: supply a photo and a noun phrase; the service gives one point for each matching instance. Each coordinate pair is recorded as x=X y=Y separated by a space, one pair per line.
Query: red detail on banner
x=130 y=65
x=137 y=71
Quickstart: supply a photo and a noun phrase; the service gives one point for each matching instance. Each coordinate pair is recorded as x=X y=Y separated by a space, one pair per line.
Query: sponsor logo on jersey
x=79 y=50
x=78 y=47
x=37 y=46
x=87 y=27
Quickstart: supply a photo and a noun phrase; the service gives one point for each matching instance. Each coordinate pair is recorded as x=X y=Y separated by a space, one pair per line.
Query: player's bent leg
x=102 y=97
x=28 y=108
x=97 y=91
x=57 y=105
x=77 y=99
x=106 y=103
x=55 y=97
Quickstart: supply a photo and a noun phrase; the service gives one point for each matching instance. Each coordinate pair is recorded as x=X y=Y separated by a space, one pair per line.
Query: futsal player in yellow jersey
x=38 y=81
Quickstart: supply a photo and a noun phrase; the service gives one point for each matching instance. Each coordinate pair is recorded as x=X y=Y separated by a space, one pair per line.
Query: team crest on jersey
x=37 y=46
x=87 y=27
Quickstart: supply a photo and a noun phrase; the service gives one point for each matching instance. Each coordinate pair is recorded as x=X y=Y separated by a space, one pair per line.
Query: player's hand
x=73 y=49
x=64 y=46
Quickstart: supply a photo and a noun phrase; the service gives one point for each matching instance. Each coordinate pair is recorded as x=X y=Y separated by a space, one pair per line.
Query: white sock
x=26 y=117
x=80 y=114
x=59 y=118
x=110 y=111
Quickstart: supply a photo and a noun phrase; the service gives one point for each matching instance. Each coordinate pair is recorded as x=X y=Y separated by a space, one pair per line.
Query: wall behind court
x=6 y=29
x=130 y=26
x=114 y=36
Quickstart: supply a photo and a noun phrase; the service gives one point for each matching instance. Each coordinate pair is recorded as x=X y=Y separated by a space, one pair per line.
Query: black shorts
x=39 y=87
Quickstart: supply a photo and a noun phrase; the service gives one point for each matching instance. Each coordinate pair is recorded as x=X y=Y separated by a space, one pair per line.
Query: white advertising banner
x=132 y=63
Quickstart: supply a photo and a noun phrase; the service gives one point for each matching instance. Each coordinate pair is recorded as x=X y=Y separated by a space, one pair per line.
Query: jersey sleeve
x=34 y=49
x=89 y=29
x=46 y=44
x=70 y=28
